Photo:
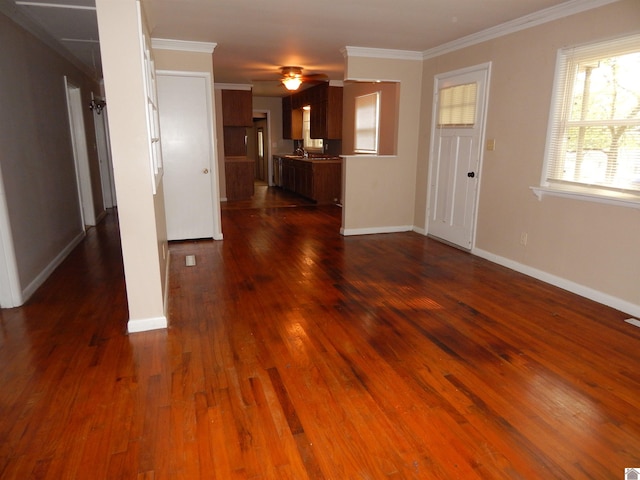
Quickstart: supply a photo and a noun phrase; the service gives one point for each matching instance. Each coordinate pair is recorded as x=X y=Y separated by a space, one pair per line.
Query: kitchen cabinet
x=317 y=180
x=326 y=113
x=237 y=108
x=239 y=174
x=235 y=141
x=325 y=117
x=237 y=116
x=291 y=120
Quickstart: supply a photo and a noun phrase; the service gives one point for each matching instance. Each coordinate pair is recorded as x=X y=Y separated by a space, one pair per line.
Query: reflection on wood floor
x=267 y=197
x=293 y=352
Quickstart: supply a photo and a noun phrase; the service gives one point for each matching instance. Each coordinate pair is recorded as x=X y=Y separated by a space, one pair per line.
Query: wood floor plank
x=293 y=352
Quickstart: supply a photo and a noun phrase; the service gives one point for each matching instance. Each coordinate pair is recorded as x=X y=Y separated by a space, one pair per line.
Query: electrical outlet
x=523 y=239
x=491 y=144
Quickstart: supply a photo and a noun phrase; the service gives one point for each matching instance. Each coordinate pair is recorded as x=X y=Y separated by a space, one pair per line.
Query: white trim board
x=146 y=324
x=583 y=291
x=182 y=45
x=48 y=270
x=546 y=15
x=375 y=230
x=381 y=53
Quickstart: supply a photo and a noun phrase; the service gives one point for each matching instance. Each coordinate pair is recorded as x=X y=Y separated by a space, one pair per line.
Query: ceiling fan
x=291 y=77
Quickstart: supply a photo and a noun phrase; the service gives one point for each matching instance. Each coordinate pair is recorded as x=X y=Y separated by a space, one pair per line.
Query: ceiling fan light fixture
x=291 y=77
x=291 y=83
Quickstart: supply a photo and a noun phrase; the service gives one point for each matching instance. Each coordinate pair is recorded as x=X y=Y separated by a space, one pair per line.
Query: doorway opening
x=80 y=153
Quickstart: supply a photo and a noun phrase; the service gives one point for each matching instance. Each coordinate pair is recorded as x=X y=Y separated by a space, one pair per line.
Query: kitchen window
x=311 y=144
x=593 y=147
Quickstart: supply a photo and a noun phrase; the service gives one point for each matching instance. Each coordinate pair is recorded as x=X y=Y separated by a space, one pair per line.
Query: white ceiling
x=256 y=37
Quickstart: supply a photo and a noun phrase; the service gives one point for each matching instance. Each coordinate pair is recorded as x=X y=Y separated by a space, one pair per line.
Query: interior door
x=186 y=136
x=460 y=100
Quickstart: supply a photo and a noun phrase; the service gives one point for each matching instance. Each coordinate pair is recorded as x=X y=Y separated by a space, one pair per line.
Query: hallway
x=294 y=352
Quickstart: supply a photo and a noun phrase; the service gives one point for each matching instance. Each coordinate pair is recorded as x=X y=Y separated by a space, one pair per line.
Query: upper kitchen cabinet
x=325 y=116
x=291 y=120
x=237 y=108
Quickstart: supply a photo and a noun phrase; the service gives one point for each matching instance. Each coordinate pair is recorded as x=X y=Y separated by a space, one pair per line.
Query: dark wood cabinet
x=326 y=113
x=291 y=120
x=237 y=115
x=239 y=177
x=319 y=180
x=235 y=141
x=237 y=108
x=286 y=117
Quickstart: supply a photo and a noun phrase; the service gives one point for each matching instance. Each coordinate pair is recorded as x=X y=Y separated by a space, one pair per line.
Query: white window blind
x=594 y=126
x=457 y=105
x=367 y=123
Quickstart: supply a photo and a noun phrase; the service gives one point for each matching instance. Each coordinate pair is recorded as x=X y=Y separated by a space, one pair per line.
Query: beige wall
x=141 y=213
x=590 y=246
x=389 y=99
x=379 y=191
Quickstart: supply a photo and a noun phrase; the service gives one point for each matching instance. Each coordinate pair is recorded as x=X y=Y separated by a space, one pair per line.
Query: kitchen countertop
x=313 y=158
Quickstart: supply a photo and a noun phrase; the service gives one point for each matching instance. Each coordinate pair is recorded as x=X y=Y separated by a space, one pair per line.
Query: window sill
x=611 y=198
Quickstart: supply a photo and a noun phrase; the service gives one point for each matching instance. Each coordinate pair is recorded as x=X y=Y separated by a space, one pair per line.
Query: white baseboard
x=421 y=231
x=583 y=291
x=373 y=230
x=217 y=236
x=146 y=324
x=48 y=270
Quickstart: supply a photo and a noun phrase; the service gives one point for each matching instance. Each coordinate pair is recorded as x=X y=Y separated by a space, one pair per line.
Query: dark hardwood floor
x=293 y=352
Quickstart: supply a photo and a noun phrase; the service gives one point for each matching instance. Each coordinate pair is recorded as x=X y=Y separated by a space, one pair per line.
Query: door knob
x=205 y=171
x=471 y=174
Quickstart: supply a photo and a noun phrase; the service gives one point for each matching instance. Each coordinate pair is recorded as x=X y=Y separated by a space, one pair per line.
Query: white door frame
x=80 y=153
x=438 y=79
x=103 y=145
x=213 y=151
x=10 y=289
x=267 y=141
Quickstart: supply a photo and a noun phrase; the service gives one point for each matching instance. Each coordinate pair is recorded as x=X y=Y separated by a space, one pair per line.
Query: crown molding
x=182 y=45
x=381 y=53
x=232 y=86
x=546 y=15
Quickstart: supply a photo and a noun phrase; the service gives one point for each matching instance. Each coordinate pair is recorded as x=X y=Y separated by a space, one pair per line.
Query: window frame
x=559 y=121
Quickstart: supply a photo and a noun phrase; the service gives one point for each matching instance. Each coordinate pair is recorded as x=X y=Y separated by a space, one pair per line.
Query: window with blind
x=311 y=144
x=594 y=128
x=457 y=106
x=367 y=123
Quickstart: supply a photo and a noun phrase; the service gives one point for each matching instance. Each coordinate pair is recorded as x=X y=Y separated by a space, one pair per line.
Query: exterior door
x=460 y=100
x=184 y=107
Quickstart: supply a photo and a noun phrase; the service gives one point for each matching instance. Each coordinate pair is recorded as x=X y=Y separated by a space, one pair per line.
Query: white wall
x=37 y=164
